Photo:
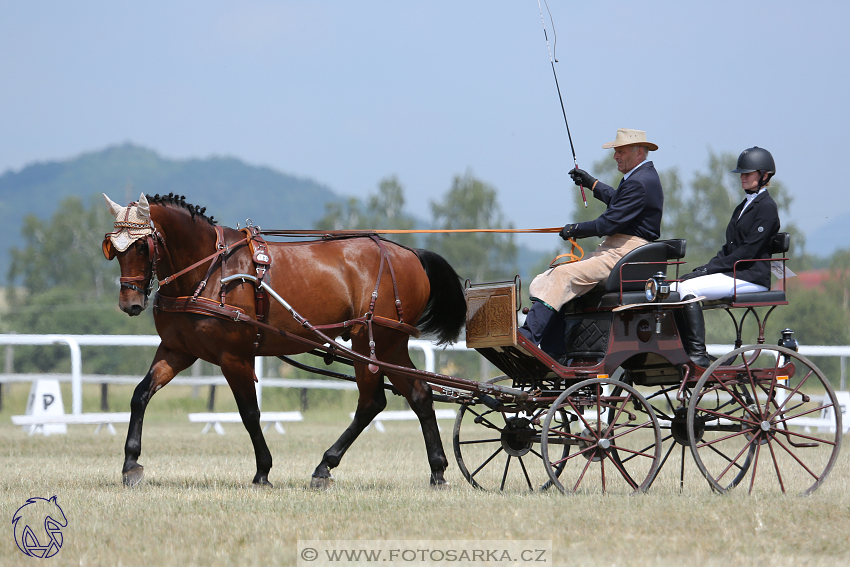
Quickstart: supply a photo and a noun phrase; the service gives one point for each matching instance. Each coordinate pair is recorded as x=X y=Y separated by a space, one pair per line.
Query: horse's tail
x=445 y=313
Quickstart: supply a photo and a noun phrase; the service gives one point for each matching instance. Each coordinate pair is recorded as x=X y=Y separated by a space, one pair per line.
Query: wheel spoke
x=807 y=469
x=796 y=389
x=788 y=433
x=715 y=441
x=525 y=473
x=584 y=470
x=624 y=474
x=479 y=441
x=738 y=456
x=484 y=464
x=775 y=463
x=755 y=466
x=486 y=422
x=505 y=476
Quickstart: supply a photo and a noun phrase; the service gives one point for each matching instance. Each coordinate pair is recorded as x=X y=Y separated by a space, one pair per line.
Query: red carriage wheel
x=615 y=438
x=774 y=414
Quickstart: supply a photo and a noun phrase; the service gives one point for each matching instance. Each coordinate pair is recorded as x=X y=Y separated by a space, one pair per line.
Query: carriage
x=602 y=412
x=623 y=393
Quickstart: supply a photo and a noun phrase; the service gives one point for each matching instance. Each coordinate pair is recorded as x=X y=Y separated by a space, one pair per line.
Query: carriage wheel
x=616 y=438
x=499 y=450
x=773 y=414
x=674 y=430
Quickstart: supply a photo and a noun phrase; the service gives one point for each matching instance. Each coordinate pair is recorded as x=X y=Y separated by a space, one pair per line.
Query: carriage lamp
x=788 y=341
x=657 y=287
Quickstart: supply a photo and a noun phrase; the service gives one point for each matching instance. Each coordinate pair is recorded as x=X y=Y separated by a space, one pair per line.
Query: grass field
x=196 y=505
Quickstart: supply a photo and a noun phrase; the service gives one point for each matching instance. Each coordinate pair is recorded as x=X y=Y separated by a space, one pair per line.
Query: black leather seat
x=630 y=273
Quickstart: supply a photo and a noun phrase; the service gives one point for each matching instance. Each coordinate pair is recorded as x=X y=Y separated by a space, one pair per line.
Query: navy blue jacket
x=748 y=238
x=633 y=209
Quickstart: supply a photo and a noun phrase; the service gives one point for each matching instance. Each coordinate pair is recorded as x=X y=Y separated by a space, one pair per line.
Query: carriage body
x=620 y=376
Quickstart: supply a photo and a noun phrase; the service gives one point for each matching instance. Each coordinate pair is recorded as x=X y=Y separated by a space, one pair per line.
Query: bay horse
x=333 y=284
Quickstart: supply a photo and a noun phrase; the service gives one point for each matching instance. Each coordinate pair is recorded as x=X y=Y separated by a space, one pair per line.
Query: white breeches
x=714 y=286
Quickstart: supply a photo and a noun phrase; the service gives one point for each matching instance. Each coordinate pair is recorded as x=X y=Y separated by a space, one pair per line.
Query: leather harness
x=261 y=257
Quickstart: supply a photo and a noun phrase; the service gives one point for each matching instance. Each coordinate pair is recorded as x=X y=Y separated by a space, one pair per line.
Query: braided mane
x=180 y=201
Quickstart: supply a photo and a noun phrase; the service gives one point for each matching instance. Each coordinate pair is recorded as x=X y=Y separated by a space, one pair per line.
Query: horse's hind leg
x=166 y=364
x=371 y=402
x=420 y=398
x=240 y=376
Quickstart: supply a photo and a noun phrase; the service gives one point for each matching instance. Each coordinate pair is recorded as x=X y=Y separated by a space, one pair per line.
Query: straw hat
x=628 y=137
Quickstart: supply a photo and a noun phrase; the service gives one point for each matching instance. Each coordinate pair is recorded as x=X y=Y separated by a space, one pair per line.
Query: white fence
x=429 y=349
x=77 y=378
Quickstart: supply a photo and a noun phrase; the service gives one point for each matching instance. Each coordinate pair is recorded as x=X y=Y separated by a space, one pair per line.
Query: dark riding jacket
x=748 y=238
x=634 y=208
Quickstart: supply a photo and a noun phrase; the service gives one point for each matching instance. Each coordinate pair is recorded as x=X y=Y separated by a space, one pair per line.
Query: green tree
x=479 y=256
x=384 y=210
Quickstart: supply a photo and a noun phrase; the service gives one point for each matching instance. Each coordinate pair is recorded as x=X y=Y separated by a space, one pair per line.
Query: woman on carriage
x=748 y=236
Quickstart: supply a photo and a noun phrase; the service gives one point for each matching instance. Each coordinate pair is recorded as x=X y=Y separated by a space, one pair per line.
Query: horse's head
x=134 y=242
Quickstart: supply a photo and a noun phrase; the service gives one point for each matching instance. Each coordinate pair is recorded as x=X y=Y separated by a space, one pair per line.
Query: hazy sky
x=348 y=93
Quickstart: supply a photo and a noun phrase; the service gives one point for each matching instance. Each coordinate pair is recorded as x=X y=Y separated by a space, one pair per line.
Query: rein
x=367 y=232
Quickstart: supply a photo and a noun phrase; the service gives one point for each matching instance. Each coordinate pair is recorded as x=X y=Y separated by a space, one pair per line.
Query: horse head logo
x=38 y=527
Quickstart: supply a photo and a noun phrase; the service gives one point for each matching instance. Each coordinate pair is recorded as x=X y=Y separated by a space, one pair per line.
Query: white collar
x=626 y=176
x=749 y=199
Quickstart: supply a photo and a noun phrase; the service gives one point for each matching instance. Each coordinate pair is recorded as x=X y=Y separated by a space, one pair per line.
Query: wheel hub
x=517 y=436
x=679 y=428
x=588 y=439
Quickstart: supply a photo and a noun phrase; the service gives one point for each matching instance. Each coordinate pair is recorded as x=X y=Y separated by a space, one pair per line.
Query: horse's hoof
x=262 y=484
x=134 y=476
x=321 y=483
x=444 y=485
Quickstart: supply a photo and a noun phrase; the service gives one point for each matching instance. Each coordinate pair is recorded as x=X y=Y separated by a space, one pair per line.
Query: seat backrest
x=658 y=251
x=781 y=243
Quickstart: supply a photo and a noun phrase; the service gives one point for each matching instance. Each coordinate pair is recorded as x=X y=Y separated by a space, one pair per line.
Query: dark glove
x=698 y=271
x=569 y=231
x=583 y=178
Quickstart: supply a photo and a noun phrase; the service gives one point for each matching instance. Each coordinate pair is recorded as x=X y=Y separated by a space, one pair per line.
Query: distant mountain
x=830 y=237
x=230 y=189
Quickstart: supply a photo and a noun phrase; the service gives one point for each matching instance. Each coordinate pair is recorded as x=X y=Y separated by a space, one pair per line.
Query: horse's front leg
x=239 y=373
x=166 y=365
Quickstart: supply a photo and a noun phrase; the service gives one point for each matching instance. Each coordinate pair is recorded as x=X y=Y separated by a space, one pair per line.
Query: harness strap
x=262 y=263
x=377 y=319
x=385 y=256
x=212 y=256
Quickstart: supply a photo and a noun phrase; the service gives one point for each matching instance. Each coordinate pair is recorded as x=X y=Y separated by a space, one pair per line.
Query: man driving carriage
x=632 y=218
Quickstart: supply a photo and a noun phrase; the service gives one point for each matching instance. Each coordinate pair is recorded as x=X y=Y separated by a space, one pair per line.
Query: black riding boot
x=691 y=324
x=537 y=321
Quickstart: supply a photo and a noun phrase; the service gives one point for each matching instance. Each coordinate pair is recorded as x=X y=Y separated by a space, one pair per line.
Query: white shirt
x=626 y=176
x=750 y=197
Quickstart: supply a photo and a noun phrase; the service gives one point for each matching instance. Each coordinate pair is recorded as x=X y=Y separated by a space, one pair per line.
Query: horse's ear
x=108 y=249
x=144 y=207
x=114 y=207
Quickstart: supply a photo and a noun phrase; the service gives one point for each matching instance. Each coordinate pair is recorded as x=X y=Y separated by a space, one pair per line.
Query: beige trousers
x=559 y=285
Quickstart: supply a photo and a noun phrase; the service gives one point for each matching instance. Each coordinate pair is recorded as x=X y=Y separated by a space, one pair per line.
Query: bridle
x=154 y=240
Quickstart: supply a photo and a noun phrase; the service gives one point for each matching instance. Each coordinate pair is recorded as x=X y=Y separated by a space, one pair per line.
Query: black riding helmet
x=756 y=159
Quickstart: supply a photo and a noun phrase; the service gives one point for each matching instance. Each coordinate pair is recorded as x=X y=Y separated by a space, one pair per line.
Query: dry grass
x=196 y=507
